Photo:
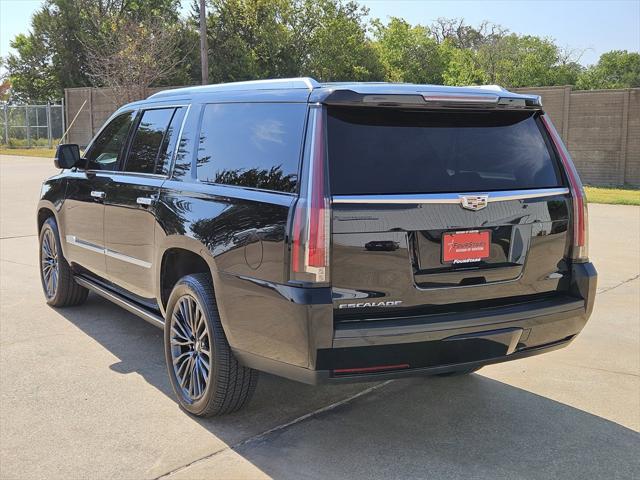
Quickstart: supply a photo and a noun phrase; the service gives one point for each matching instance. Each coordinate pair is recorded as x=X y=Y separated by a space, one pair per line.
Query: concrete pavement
x=84 y=391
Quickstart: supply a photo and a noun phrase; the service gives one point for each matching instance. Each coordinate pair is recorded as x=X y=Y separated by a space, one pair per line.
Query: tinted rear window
x=384 y=151
x=253 y=145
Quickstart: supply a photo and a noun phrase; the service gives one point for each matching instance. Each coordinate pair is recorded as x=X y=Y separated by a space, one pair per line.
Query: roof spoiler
x=436 y=99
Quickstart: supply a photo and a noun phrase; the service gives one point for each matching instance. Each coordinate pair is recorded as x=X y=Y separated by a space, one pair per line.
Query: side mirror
x=67 y=155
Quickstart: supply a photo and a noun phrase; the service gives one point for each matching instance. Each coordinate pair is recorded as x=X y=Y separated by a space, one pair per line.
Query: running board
x=153 y=319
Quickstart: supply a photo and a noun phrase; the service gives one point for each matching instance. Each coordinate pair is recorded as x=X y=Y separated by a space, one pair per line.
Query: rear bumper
x=443 y=343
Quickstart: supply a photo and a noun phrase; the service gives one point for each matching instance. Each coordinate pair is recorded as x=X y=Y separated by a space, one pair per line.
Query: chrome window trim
x=73 y=240
x=448 y=198
x=111 y=173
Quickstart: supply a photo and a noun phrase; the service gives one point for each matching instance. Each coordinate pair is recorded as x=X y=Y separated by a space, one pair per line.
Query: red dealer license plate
x=466 y=247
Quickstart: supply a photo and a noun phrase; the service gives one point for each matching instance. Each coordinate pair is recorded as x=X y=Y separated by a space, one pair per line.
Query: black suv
x=324 y=232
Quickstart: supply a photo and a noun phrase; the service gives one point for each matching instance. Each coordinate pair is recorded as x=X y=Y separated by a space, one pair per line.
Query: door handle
x=145 y=200
x=97 y=194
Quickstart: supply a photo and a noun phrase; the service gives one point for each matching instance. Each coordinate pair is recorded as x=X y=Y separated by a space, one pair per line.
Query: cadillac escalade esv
x=324 y=232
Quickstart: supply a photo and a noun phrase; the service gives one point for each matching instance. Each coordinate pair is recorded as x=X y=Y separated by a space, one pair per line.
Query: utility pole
x=204 y=59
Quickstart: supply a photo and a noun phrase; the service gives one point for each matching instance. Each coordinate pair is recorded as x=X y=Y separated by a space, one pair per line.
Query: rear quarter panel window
x=253 y=145
x=384 y=151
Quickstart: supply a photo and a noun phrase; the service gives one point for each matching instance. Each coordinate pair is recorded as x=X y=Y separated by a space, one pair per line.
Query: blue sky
x=593 y=26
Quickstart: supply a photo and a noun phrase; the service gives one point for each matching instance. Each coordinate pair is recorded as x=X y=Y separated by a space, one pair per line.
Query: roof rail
x=271 y=84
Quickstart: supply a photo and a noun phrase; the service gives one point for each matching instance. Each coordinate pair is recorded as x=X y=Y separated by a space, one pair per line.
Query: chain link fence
x=31 y=126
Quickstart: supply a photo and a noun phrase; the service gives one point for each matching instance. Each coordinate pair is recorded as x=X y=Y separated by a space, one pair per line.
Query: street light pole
x=204 y=59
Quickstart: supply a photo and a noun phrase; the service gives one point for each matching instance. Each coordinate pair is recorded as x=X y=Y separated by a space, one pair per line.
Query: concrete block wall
x=601 y=128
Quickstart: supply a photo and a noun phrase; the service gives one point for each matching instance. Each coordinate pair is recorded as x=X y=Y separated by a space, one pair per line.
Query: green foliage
x=408 y=53
x=615 y=69
x=511 y=61
x=331 y=40
x=335 y=47
x=53 y=56
x=252 y=39
x=33 y=75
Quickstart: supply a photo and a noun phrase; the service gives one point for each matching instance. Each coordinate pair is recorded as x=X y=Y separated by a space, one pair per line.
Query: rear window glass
x=384 y=151
x=253 y=145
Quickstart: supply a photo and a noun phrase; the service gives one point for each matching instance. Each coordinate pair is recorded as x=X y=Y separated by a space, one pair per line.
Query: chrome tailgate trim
x=445 y=198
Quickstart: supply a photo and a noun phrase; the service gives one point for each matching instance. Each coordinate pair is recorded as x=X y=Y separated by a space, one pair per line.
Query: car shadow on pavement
x=459 y=427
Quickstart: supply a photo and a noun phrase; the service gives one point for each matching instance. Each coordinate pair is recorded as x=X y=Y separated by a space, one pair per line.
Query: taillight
x=311 y=229
x=579 y=251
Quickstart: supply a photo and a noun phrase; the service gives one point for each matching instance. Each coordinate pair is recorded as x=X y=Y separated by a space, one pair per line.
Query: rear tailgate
x=441 y=210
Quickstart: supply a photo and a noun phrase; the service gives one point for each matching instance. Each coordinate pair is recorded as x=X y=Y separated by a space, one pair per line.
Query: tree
x=5 y=83
x=511 y=60
x=31 y=71
x=408 y=53
x=252 y=39
x=75 y=43
x=615 y=69
x=53 y=55
x=129 y=57
x=460 y=35
x=336 y=47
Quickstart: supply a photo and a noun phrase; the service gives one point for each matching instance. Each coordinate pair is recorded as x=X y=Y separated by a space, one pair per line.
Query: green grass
x=613 y=195
x=29 y=152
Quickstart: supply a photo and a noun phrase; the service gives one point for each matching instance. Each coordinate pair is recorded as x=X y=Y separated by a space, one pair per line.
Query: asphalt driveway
x=84 y=391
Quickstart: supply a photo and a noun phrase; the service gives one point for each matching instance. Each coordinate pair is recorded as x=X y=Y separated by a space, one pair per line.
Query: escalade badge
x=474 y=202
x=391 y=303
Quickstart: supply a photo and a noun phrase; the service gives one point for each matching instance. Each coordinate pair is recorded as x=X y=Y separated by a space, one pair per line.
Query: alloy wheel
x=49 y=263
x=190 y=347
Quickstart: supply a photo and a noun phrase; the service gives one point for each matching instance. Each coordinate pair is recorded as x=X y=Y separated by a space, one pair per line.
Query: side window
x=251 y=144
x=154 y=141
x=105 y=151
x=170 y=143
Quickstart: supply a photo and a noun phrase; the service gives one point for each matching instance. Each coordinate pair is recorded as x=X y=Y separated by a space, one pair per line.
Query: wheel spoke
x=180 y=357
x=196 y=378
x=205 y=365
x=180 y=343
x=192 y=384
x=191 y=311
x=184 y=377
x=50 y=285
x=201 y=379
x=46 y=245
x=200 y=323
x=184 y=323
x=179 y=332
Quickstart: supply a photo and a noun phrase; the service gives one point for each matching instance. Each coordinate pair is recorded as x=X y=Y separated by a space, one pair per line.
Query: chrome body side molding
x=444 y=198
x=126 y=258
x=73 y=240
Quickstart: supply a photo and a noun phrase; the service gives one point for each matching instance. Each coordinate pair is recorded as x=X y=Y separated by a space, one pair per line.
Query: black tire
x=228 y=385
x=457 y=373
x=58 y=285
